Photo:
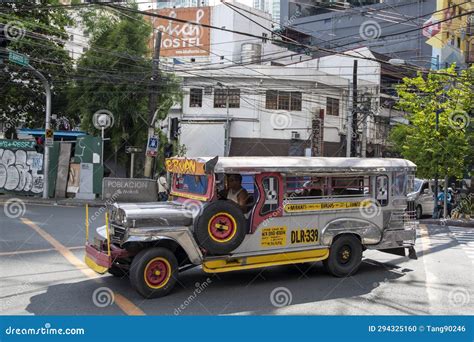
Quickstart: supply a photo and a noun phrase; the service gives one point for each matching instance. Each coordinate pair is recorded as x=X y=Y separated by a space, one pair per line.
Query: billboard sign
x=184 y=39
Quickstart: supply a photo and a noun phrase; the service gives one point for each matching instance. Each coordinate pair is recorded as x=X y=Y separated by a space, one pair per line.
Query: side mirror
x=426 y=191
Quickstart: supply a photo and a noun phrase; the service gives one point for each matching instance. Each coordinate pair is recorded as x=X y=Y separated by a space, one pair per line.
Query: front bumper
x=99 y=259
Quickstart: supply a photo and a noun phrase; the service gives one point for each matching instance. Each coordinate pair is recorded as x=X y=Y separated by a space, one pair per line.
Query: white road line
x=465 y=238
x=431 y=281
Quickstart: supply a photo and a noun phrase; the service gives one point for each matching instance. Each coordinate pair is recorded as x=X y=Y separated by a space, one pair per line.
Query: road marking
x=30 y=251
x=123 y=303
x=465 y=238
x=434 y=296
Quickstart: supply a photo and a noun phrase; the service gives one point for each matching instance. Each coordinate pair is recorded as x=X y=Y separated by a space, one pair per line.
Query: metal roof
x=308 y=164
x=57 y=134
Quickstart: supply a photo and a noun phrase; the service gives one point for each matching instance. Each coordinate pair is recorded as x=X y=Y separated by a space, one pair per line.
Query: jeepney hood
x=151 y=214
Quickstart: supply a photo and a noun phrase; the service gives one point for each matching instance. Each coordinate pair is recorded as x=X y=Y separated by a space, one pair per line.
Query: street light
x=102 y=120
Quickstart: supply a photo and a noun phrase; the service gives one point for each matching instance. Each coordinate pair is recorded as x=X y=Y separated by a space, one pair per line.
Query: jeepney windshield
x=192 y=184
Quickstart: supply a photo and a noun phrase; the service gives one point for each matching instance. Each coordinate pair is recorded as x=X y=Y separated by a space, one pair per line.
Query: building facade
x=453 y=41
x=390 y=27
x=185 y=45
x=269 y=6
x=263 y=111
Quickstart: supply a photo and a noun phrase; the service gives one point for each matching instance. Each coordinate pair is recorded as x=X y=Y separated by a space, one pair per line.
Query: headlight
x=120 y=217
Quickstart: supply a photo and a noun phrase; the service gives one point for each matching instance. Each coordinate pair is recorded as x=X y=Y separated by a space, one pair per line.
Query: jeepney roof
x=307 y=164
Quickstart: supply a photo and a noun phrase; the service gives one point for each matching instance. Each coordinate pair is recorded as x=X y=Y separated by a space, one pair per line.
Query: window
x=295 y=101
x=305 y=186
x=319 y=187
x=191 y=184
x=220 y=98
x=350 y=186
x=283 y=100
x=271 y=100
x=332 y=106
x=399 y=184
x=381 y=184
x=195 y=97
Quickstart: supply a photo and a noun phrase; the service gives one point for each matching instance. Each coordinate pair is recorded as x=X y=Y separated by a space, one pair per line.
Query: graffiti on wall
x=19 y=170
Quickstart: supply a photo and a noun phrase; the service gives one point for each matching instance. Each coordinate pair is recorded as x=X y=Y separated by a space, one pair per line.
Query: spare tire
x=221 y=227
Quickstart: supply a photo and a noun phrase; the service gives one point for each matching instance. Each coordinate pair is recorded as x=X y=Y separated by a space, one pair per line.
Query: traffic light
x=174 y=129
x=39 y=146
x=168 y=150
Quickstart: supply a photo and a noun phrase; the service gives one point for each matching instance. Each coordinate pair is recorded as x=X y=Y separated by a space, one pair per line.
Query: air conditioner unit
x=295 y=135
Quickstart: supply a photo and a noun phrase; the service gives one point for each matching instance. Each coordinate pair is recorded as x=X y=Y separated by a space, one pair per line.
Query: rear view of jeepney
x=298 y=210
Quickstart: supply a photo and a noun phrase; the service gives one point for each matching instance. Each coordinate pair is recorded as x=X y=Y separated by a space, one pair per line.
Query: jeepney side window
x=270 y=188
x=399 y=184
x=411 y=184
x=305 y=186
x=381 y=191
x=350 y=186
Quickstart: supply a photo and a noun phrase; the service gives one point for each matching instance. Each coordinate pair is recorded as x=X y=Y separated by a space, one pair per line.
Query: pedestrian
x=163 y=189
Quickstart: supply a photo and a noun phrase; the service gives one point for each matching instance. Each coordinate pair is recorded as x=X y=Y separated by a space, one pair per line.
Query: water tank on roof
x=251 y=53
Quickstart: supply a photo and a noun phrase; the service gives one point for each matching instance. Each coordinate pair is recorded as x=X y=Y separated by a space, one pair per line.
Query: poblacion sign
x=129 y=190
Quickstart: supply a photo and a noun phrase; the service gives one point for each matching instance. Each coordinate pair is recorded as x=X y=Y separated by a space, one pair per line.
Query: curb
x=453 y=223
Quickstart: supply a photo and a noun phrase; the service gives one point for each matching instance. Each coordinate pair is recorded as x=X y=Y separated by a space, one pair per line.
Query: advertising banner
x=184 y=39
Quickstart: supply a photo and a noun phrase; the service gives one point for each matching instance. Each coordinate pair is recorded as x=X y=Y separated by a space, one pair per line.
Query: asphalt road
x=42 y=273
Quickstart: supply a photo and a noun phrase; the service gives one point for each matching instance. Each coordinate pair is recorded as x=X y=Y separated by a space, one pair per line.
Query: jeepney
x=298 y=210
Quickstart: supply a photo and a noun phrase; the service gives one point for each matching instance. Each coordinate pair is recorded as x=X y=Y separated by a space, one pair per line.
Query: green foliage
x=447 y=150
x=41 y=36
x=115 y=75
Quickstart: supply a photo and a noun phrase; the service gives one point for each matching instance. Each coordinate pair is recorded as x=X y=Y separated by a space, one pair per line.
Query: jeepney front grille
x=118 y=233
x=402 y=219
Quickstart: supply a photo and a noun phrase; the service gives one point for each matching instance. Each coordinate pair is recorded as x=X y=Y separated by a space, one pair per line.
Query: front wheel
x=153 y=272
x=345 y=256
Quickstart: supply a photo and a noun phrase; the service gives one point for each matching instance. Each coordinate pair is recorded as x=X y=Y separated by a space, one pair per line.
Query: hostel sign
x=181 y=39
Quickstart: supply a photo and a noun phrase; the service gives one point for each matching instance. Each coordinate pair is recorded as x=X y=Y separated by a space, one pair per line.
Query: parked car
x=422 y=198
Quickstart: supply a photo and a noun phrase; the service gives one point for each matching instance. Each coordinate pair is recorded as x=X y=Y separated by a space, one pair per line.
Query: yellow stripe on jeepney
x=302 y=207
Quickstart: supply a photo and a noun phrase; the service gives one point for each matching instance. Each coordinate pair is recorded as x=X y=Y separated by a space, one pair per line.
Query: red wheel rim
x=222 y=227
x=156 y=272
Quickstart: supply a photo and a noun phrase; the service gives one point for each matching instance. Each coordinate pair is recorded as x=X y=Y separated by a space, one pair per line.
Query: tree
x=447 y=150
x=40 y=34
x=115 y=75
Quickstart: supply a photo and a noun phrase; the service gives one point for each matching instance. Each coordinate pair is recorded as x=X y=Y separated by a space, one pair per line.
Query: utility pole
x=227 y=121
x=354 y=152
x=227 y=126
x=47 y=125
x=153 y=101
x=348 y=122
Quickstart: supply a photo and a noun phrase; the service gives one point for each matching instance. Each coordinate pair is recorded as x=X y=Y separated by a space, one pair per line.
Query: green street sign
x=18 y=58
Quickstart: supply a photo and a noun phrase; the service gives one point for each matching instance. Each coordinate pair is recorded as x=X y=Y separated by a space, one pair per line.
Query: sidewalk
x=455 y=223
x=72 y=202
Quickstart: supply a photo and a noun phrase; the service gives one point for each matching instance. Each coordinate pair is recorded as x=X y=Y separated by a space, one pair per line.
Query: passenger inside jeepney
x=235 y=192
x=313 y=187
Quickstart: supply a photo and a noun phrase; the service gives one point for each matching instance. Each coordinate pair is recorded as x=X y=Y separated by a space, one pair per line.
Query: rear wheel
x=345 y=256
x=153 y=272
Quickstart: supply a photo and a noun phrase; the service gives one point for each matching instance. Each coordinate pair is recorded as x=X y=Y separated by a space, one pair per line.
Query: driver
x=235 y=191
